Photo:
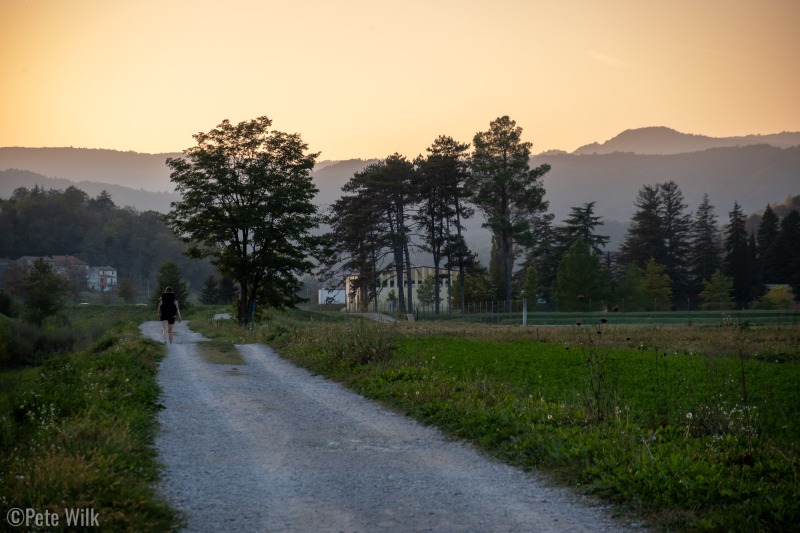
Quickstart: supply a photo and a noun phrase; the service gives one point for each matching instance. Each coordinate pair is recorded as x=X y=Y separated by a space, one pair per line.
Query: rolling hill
x=753 y=170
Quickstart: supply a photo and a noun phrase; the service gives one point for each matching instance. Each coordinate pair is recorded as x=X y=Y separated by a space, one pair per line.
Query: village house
x=388 y=298
x=102 y=279
x=79 y=273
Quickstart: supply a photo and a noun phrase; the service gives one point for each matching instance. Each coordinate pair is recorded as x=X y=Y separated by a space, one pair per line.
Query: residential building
x=102 y=279
x=388 y=298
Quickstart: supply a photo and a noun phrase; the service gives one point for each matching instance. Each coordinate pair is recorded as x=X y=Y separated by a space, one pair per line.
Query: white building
x=102 y=279
x=388 y=293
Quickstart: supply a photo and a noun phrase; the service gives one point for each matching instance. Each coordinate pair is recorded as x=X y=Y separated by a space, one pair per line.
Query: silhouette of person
x=168 y=311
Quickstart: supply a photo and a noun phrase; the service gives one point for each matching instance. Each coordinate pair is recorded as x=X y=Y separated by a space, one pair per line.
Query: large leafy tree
x=247 y=204
x=508 y=192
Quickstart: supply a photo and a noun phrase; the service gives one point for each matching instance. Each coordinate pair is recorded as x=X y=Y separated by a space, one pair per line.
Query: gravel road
x=267 y=446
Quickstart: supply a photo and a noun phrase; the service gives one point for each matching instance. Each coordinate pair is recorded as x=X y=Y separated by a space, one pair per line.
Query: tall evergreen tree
x=582 y=223
x=645 y=237
x=677 y=227
x=705 y=252
x=388 y=187
x=768 y=254
x=544 y=255
x=439 y=180
x=359 y=241
x=506 y=189
x=787 y=247
x=737 y=264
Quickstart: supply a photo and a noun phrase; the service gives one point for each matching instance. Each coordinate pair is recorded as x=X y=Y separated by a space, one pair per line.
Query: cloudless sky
x=367 y=78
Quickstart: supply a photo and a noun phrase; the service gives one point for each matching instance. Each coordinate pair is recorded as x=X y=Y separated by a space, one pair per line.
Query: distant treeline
x=39 y=222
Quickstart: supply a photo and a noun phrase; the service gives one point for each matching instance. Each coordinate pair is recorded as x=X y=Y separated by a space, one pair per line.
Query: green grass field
x=688 y=428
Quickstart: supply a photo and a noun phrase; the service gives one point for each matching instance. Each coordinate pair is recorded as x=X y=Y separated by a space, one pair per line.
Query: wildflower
x=688 y=416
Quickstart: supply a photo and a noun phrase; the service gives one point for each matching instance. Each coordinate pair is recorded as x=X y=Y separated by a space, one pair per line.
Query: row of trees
x=247 y=204
x=670 y=257
x=396 y=204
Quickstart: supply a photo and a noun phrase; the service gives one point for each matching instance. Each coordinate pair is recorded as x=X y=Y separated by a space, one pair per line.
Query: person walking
x=168 y=311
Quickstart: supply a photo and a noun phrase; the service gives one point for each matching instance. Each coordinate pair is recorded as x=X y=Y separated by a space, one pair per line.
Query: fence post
x=524 y=312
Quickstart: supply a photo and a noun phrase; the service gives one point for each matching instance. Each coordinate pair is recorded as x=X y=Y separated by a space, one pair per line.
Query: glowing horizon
x=364 y=79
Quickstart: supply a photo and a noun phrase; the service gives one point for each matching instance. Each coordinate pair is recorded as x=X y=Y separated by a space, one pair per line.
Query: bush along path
x=263 y=445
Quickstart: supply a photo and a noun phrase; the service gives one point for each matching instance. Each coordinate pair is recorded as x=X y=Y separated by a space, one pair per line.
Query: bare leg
x=164 y=327
x=170 y=332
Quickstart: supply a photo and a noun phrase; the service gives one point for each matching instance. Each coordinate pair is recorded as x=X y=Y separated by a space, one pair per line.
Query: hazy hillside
x=753 y=171
x=139 y=199
x=660 y=140
x=129 y=169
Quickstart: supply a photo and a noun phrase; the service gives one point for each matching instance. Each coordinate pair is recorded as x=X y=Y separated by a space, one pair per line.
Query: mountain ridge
x=753 y=175
x=660 y=140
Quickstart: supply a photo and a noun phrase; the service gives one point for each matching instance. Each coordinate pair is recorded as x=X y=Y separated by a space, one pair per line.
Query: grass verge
x=78 y=431
x=690 y=428
x=220 y=352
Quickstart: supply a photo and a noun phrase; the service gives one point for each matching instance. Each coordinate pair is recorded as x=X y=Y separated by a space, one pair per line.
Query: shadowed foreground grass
x=77 y=432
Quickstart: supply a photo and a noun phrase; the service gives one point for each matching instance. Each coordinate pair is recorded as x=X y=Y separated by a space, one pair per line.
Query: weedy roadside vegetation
x=77 y=431
x=689 y=428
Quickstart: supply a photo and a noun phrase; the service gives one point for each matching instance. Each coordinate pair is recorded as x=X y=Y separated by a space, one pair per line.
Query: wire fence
x=519 y=313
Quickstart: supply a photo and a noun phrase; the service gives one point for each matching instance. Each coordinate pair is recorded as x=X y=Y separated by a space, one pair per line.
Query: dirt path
x=269 y=447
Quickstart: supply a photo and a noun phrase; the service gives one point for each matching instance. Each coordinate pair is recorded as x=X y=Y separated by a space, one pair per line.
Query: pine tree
x=645 y=238
x=737 y=263
x=705 y=253
x=439 y=180
x=582 y=223
x=787 y=247
x=506 y=189
x=768 y=254
x=677 y=226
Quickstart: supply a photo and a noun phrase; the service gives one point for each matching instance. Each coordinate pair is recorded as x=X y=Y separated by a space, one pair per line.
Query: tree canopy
x=247 y=204
x=504 y=187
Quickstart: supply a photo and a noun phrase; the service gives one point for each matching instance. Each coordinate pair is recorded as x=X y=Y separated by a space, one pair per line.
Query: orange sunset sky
x=369 y=78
